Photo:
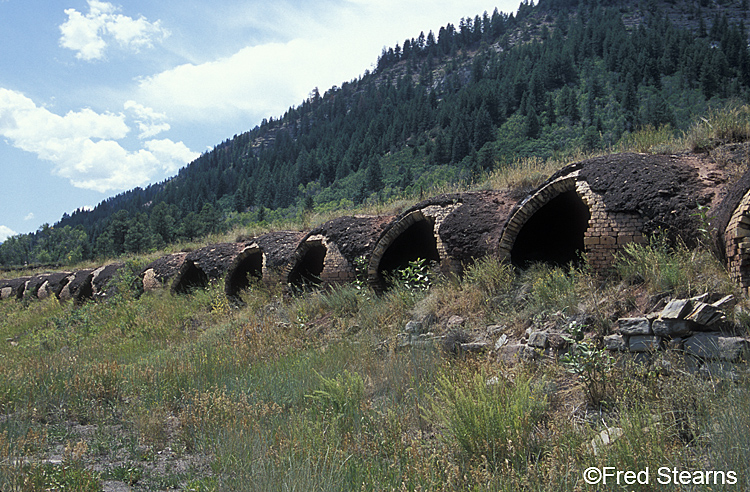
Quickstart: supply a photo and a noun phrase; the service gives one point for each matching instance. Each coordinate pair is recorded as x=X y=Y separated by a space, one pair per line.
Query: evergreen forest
x=554 y=80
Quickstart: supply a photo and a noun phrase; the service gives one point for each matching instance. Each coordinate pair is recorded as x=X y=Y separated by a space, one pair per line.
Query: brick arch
x=549 y=225
x=307 y=264
x=410 y=237
x=190 y=277
x=737 y=243
x=248 y=263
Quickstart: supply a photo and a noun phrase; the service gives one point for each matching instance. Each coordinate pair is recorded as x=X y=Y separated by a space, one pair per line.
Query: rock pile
x=688 y=325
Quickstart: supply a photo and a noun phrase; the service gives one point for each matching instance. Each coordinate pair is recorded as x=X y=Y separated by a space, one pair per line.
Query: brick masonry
x=606 y=234
x=737 y=243
x=433 y=214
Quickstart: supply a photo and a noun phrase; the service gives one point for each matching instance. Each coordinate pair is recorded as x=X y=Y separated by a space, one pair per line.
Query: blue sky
x=99 y=97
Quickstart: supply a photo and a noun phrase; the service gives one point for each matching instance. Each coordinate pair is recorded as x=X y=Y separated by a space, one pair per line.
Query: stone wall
x=692 y=327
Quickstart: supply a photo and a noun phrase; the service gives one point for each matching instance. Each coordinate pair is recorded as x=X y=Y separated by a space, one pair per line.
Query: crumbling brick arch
x=189 y=278
x=412 y=236
x=249 y=263
x=204 y=266
x=548 y=226
x=79 y=287
x=306 y=267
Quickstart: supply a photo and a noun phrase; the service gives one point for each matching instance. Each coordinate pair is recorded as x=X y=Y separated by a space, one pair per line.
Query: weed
x=417 y=276
x=592 y=365
x=649 y=139
x=664 y=268
x=341 y=400
x=727 y=124
x=553 y=289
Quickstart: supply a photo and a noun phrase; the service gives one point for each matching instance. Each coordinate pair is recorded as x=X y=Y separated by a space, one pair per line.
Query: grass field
x=313 y=393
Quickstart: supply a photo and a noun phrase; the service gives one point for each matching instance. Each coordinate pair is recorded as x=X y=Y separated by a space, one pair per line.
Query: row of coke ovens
x=594 y=207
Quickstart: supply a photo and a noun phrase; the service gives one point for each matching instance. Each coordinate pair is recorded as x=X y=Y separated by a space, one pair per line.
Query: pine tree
x=374 y=177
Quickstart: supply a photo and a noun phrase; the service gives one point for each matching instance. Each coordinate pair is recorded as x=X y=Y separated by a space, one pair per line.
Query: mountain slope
x=556 y=77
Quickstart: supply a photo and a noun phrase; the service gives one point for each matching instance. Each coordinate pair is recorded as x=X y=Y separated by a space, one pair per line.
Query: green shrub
x=490 y=275
x=415 y=277
x=592 y=365
x=553 y=289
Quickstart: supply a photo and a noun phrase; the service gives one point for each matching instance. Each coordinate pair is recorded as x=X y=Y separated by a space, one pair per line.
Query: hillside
x=553 y=80
x=502 y=378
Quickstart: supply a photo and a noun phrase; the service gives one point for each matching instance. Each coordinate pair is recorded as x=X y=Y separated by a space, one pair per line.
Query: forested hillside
x=554 y=79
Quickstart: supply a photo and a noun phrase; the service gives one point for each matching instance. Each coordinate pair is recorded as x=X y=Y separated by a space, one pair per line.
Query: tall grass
x=727 y=124
x=314 y=393
x=666 y=268
x=489 y=417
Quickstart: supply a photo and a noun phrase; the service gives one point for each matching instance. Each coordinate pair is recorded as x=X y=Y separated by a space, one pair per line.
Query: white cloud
x=336 y=45
x=5 y=233
x=90 y=34
x=29 y=216
x=83 y=145
x=258 y=80
x=149 y=122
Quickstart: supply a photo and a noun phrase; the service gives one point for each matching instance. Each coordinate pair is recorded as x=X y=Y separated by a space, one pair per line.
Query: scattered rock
x=495 y=329
x=616 y=343
x=634 y=326
x=517 y=352
x=475 y=347
x=414 y=327
x=455 y=322
x=605 y=438
x=502 y=340
x=556 y=341
x=538 y=339
x=644 y=343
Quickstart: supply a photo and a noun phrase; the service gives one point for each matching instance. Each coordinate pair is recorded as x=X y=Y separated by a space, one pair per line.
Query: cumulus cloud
x=335 y=45
x=83 y=145
x=90 y=34
x=6 y=232
x=258 y=79
x=149 y=122
x=29 y=216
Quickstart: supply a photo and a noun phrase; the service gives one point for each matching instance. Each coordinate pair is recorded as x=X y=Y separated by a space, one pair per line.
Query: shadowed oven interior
x=250 y=265
x=417 y=241
x=554 y=234
x=308 y=270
